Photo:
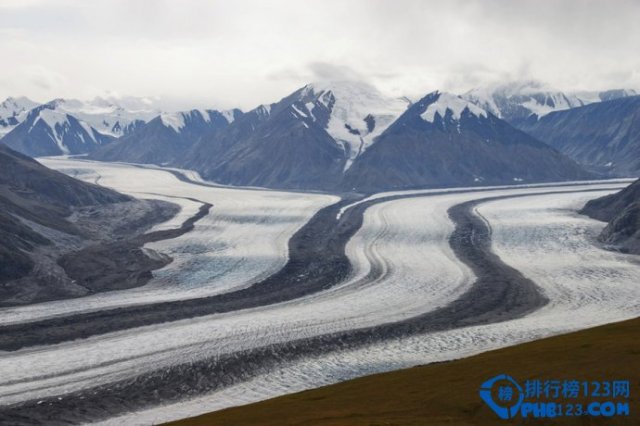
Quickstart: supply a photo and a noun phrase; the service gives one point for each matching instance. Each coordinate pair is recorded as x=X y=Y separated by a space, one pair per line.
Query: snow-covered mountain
x=13 y=111
x=356 y=113
x=450 y=106
x=445 y=140
x=603 y=136
x=166 y=138
x=606 y=95
x=305 y=140
x=527 y=101
x=47 y=130
x=347 y=136
x=110 y=116
x=328 y=136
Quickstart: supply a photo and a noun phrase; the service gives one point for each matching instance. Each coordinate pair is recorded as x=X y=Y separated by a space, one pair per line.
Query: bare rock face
x=443 y=140
x=46 y=216
x=348 y=138
x=165 y=138
x=622 y=212
x=604 y=137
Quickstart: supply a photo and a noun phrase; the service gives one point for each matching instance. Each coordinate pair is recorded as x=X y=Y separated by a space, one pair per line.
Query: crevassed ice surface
x=405 y=241
x=407 y=237
x=243 y=239
x=542 y=236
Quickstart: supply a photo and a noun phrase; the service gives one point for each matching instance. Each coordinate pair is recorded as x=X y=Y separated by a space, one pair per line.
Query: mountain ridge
x=166 y=137
x=444 y=140
x=312 y=138
x=524 y=102
x=603 y=136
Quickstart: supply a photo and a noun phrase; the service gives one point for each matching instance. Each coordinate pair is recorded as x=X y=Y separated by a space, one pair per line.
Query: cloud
x=19 y=4
x=247 y=52
x=43 y=78
x=324 y=71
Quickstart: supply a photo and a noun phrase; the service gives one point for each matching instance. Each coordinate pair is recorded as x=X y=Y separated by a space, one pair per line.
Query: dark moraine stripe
x=499 y=293
x=317 y=262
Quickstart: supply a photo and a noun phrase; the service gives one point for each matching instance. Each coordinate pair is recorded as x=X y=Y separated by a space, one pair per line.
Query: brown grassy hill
x=447 y=393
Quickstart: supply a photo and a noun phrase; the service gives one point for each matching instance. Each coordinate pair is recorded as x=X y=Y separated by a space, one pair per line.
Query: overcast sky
x=242 y=53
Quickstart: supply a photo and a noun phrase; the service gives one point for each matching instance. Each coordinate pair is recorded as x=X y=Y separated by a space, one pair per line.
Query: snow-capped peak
x=358 y=112
x=58 y=123
x=175 y=120
x=264 y=110
x=517 y=101
x=453 y=103
x=52 y=117
x=228 y=115
x=106 y=115
x=13 y=111
x=521 y=100
x=589 y=97
x=178 y=120
x=61 y=126
x=13 y=105
x=204 y=114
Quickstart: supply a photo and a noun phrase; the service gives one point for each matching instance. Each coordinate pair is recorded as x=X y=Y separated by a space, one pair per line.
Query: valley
x=335 y=213
x=411 y=292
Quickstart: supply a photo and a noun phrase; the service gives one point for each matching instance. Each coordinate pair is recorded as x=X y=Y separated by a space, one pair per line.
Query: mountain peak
x=174 y=120
x=341 y=87
x=357 y=112
x=19 y=101
x=519 y=101
x=14 y=110
x=448 y=102
x=106 y=115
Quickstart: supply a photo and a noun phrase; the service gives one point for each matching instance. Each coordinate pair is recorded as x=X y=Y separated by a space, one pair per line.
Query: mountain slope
x=47 y=131
x=356 y=113
x=304 y=141
x=622 y=212
x=166 y=138
x=110 y=116
x=12 y=112
x=31 y=193
x=444 y=140
x=45 y=215
x=347 y=135
x=524 y=102
x=604 y=136
x=274 y=146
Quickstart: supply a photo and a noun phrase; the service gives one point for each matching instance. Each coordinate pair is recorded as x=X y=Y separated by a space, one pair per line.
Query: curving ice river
x=402 y=268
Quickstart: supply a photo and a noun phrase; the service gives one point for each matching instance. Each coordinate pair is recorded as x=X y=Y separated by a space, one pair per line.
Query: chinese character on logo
x=532 y=389
x=505 y=393
x=570 y=389
x=508 y=395
x=552 y=388
x=621 y=388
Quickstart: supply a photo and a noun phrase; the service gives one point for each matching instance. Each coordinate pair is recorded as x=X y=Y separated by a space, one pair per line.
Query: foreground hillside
x=447 y=393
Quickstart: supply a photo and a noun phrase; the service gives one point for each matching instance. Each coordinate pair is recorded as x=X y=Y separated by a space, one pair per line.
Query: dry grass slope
x=447 y=393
